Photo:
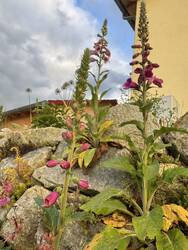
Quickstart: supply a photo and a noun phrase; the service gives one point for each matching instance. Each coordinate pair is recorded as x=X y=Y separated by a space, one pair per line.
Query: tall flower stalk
x=73 y=120
x=72 y=137
x=100 y=55
x=146 y=80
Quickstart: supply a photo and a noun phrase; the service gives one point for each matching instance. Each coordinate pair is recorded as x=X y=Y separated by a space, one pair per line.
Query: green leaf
x=151 y=171
x=88 y=156
x=105 y=126
x=39 y=201
x=163 y=242
x=51 y=218
x=109 y=206
x=138 y=124
x=104 y=93
x=179 y=240
x=109 y=239
x=149 y=225
x=121 y=163
x=104 y=77
x=97 y=201
x=174 y=240
x=83 y=216
x=164 y=130
x=81 y=159
x=170 y=174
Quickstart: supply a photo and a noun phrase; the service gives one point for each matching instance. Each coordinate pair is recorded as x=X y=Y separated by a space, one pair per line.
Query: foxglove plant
x=100 y=55
x=57 y=217
x=147 y=220
x=96 y=123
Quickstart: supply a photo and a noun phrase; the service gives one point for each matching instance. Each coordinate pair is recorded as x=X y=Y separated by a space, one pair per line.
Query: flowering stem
x=64 y=196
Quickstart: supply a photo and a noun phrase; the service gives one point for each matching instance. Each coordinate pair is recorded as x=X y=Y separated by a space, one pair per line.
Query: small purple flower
x=129 y=84
x=65 y=164
x=158 y=82
x=51 y=199
x=68 y=135
x=7 y=187
x=138 y=71
x=52 y=163
x=148 y=74
x=146 y=54
x=4 y=201
x=155 y=65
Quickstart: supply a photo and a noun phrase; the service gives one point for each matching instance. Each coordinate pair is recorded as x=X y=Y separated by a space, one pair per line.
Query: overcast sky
x=41 y=43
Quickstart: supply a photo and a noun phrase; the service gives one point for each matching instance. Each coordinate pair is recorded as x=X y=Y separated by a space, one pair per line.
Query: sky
x=42 y=41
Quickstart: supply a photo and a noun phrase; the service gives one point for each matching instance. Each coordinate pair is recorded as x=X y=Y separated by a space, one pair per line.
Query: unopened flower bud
x=65 y=164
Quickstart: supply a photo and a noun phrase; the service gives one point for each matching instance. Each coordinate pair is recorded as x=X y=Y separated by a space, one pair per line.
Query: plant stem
x=64 y=196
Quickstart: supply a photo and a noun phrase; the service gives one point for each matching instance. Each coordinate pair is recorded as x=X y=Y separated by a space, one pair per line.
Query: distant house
x=21 y=115
x=168 y=28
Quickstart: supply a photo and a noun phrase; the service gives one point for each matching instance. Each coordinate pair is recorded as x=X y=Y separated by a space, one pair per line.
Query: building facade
x=168 y=27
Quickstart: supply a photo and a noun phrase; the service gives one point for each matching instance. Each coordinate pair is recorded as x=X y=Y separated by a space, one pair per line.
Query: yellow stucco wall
x=168 y=27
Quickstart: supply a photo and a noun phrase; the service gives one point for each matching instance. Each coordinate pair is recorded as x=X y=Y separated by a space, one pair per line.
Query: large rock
x=29 y=139
x=28 y=215
x=98 y=177
x=126 y=112
x=59 y=153
x=179 y=141
x=35 y=159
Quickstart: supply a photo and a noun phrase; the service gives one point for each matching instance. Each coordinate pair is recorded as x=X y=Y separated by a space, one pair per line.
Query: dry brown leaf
x=115 y=220
x=173 y=214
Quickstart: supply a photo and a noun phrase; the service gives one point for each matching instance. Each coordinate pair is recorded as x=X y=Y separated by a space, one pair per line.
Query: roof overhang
x=128 y=9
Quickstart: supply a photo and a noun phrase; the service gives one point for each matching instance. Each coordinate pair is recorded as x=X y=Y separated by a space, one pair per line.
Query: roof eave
x=126 y=14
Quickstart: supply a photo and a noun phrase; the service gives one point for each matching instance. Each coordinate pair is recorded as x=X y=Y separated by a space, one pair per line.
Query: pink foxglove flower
x=158 y=82
x=65 y=164
x=85 y=146
x=52 y=163
x=51 y=199
x=129 y=84
x=68 y=135
x=83 y=184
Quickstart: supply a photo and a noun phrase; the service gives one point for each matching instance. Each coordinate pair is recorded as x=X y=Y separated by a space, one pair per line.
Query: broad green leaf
x=149 y=225
x=109 y=206
x=170 y=174
x=174 y=240
x=138 y=124
x=51 y=218
x=163 y=242
x=140 y=226
x=81 y=159
x=164 y=130
x=121 y=163
x=105 y=126
x=97 y=201
x=109 y=239
x=88 y=156
x=179 y=240
x=83 y=216
x=156 y=147
x=151 y=171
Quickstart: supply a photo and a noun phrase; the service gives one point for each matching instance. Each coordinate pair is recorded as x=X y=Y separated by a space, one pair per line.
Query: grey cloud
x=41 y=43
